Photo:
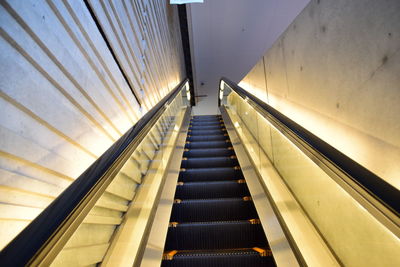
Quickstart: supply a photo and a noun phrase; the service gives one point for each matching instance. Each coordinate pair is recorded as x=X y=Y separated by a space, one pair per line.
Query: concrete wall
x=229 y=36
x=336 y=71
x=63 y=98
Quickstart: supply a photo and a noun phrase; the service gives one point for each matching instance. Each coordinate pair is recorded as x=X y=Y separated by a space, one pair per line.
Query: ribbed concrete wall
x=64 y=99
x=335 y=71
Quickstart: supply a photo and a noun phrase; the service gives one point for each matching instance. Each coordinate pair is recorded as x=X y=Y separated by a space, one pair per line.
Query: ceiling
x=228 y=37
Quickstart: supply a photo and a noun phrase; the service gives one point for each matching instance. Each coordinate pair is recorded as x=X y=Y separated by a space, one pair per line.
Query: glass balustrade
x=353 y=235
x=132 y=192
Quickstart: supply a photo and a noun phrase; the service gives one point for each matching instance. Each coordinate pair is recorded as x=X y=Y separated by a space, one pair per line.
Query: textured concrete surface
x=63 y=99
x=335 y=70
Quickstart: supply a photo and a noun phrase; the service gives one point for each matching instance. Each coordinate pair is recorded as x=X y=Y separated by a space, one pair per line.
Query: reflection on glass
x=354 y=235
x=104 y=218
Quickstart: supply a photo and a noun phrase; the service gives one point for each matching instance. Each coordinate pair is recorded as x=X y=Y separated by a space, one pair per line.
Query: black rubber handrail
x=384 y=192
x=25 y=245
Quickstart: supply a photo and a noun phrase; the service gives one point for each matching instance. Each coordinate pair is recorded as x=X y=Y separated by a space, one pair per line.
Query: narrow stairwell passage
x=213 y=220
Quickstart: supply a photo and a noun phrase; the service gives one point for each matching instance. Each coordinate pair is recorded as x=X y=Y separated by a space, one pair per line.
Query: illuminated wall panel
x=63 y=98
x=335 y=71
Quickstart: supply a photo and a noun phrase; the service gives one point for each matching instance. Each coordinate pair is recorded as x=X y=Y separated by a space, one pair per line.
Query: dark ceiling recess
x=186 y=49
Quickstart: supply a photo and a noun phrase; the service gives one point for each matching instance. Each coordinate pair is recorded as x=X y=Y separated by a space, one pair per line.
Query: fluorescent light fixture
x=222 y=85
x=221 y=94
x=185 y=1
x=187 y=90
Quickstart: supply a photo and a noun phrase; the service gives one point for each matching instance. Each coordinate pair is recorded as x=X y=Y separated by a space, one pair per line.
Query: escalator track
x=213 y=220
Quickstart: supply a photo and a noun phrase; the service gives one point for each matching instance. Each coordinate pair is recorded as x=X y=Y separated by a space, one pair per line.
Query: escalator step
x=214 y=119
x=205 y=123
x=231 y=258
x=215 y=235
x=207 y=132
x=208 y=144
x=201 y=138
x=210 y=174
x=209 y=152
x=209 y=162
x=204 y=190
x=206 y=127
x=206 y=116
x=213 y=220
x=224 y=209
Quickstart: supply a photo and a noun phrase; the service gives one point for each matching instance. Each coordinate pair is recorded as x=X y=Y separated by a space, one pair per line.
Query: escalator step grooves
x=213 y=210
x=207 y=132
x=215 y=235
x=214 y=259
x=204 y=190
x=208 y=162
x=208 y=144
x=213 y=220
x=210 y=174
x=202 y=138
x=210 y=152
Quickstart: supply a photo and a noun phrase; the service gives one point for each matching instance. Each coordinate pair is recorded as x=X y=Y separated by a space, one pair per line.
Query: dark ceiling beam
x=186 y=49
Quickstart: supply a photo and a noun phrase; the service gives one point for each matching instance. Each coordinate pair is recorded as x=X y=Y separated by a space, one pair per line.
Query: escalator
x=173 y=192
x=213 y=221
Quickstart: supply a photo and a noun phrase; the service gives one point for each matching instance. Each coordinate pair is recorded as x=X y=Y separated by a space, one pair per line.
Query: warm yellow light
x=187 y=90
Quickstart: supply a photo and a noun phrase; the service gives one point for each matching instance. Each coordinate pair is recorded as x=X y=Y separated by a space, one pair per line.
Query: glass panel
x=92 y=239
x=355 y=236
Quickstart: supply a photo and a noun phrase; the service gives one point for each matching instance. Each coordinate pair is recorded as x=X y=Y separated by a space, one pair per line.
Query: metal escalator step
x=213 y=219
x=209 y=123
x=204 y=190
x=222 y=258
x=208 y=152
x=208 y=144
x=205 y=120
x=213 y=122
x=224 y=209
x=206 y=132
x=210 y=174
x=209 y=162
x=215 y=235
x=206 y=116
x=206 y=127
x=201 y=138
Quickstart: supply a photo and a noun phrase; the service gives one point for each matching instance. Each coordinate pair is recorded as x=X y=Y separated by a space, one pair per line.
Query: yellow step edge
x=255 y=221
x=173 y=224
x=169 y=255
x=263 y=252
x=247 y=198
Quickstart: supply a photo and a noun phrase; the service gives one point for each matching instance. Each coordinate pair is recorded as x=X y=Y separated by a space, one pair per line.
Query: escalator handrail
x=25 y=246
x=379 y=189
